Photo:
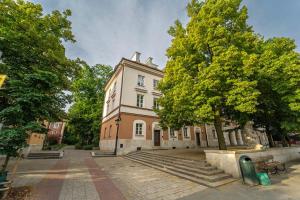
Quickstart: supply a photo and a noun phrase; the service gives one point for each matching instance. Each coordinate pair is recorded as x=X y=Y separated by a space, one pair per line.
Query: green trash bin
x=248 y=171
x=263 y=178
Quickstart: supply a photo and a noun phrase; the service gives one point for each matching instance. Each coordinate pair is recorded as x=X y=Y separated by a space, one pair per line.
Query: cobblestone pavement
x=139 y=182
x=284 y=187
x=78 y=184
x=30 y=172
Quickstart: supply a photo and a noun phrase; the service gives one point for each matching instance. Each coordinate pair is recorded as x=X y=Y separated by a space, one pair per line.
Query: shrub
x=78 y=146
x=88 y=147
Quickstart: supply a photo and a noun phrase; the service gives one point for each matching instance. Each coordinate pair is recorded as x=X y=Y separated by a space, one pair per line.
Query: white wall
x=130 y=93
x=118 y=80
x=229 y=160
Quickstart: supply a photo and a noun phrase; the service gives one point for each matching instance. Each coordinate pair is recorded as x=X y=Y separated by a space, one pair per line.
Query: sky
x=107 y=30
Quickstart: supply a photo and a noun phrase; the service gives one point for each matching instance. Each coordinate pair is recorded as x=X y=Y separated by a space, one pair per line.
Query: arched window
x=104 y=133
x=109 y=132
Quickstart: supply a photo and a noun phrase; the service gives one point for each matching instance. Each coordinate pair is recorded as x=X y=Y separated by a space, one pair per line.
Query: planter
x=4 y=192
x=3 y=176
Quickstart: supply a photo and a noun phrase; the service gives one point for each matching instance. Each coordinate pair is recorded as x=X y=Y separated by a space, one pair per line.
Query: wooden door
x=156 y=137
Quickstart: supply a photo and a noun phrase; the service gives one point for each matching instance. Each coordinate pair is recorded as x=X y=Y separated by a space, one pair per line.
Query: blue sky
x=107 y=30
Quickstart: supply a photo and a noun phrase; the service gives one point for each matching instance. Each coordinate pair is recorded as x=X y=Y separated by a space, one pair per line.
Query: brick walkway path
x=49 y=188
x=139 y=182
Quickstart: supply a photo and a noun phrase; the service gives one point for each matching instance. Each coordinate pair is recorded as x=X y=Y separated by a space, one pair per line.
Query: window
x=104 y=133
x=109 y=132
x=172 y=132
x=115 y=86
x=141 y=80
x=214 y=134
x=185 y=132
x=140 y=100
x=107 y=108
x=155 y=103
x=139 y=129
x=56 y=125
x=113 y=104
x=155 y=83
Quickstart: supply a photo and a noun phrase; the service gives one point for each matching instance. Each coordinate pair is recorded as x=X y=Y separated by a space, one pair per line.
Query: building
x=56 y=131
x=130 y=96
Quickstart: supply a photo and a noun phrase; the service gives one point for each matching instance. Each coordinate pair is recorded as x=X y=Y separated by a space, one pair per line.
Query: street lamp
x=117 y=121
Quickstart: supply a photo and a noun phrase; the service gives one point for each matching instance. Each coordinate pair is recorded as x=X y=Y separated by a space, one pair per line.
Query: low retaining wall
x=229 y=160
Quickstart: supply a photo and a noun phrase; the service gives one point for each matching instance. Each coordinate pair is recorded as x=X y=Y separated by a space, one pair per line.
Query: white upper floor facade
x=133 y=88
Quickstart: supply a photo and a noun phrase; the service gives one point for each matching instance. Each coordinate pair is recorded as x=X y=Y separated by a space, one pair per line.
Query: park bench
x=268 y=165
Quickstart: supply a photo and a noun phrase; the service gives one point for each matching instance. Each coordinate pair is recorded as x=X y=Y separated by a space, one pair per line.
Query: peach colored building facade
x=131 y=95
x=56 y=131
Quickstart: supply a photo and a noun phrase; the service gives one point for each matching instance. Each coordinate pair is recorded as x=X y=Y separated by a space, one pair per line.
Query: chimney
x=150 y=63
x=136 y=56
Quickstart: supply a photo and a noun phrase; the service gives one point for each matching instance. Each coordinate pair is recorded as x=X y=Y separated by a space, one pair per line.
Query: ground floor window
x=139 y=129
x=185 y=132
x=172 y=132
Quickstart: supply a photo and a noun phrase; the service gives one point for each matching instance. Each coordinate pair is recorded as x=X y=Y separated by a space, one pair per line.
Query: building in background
x=130 y=98
x=56 y=131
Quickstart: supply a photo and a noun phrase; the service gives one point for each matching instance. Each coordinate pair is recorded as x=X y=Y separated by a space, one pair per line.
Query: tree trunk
x=4 y=166
x=218 y=126
x=284 y=141
x=270 y=138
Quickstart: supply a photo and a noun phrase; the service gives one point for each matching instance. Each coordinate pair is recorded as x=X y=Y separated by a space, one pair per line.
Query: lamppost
x=117 y=121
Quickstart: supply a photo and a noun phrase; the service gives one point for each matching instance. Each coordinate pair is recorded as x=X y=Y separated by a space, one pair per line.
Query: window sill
x=139 y=135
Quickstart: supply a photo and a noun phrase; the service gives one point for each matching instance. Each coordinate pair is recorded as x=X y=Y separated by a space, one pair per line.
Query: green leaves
x=88 y=96
x=218 y=65
x=38 y=70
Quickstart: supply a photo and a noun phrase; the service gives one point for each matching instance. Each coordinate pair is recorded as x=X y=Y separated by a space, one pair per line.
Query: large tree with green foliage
x=278 y=78
x=38 y=71
x=88 y=95
x=210 y=66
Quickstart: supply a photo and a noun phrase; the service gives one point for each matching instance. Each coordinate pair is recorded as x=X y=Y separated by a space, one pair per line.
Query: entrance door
x=156 y=137
x=198 y=139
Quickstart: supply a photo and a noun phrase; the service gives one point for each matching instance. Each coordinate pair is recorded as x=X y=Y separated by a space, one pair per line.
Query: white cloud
x=107 y=30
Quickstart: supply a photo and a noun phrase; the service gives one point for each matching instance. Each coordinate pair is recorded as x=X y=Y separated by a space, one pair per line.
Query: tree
x=38 y=71
x=88 y=96
x=210 y=66
x=279 y=83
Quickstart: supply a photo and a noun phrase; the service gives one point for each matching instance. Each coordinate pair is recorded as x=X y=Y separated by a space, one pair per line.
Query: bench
x=268 y=165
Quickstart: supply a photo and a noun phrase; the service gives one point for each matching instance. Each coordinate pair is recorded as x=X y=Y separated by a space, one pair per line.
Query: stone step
x=188 y=177
x=193 y=173
x=202 y=166
x=45 y=155
x=193 y=168
x=103 y=154
x=170 y=157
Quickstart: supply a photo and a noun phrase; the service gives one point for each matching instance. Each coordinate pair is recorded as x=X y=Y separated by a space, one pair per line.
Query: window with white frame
x=55 y=125
x=139 y=129
x=107 y=107
x=141 y=80
x=109 y=132
x=214 y=134
x=155 y=103
x=115 y=86
x=113 y=104
x=140 y=100
x=185 y=132
x=172 y=132
x=155 y=84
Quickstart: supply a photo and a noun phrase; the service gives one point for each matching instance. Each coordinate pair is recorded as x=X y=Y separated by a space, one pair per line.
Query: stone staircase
x=45 y=155
x=194 y=170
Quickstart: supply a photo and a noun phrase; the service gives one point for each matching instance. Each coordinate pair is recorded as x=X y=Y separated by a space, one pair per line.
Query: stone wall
x=229 y=160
